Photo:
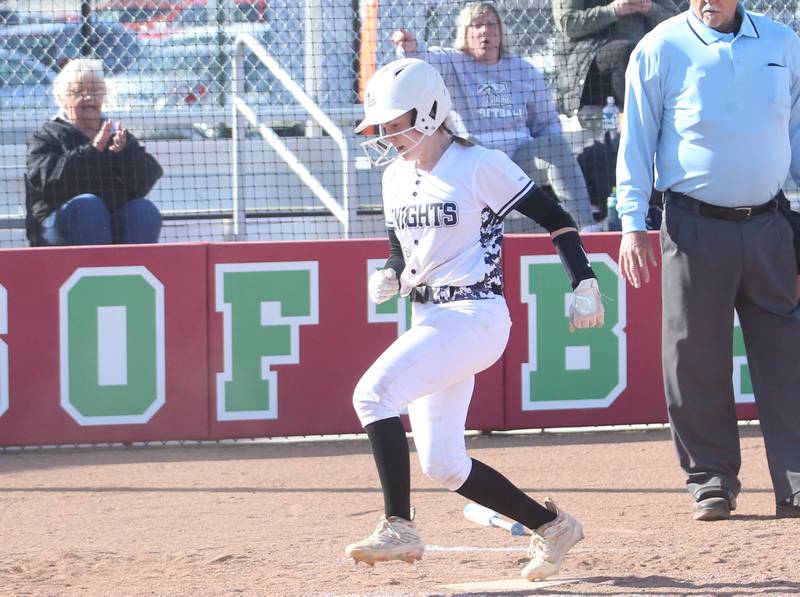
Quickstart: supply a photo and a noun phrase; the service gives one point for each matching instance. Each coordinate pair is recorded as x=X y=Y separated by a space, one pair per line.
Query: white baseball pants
x=430 y=370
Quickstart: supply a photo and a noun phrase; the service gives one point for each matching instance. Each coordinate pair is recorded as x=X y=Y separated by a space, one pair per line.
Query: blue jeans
x=85 y=220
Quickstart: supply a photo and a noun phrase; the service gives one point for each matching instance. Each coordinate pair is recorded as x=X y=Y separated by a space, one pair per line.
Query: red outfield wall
x=211 y=341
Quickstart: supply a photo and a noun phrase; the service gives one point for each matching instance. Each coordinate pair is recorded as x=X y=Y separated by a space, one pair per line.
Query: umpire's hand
x=635 y=254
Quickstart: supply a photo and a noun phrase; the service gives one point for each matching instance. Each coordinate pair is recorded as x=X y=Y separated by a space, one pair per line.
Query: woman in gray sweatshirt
x=501 y=102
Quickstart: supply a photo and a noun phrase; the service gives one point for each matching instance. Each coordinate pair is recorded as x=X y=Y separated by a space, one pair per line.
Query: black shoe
x=714 y=504
x=790 y=508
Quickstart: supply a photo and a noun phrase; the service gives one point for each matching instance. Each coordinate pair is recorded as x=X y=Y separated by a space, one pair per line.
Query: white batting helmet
x=399 y=87
x=405 y=85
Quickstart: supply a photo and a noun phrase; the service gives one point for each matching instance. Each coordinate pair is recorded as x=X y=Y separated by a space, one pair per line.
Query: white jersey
x=450 y=220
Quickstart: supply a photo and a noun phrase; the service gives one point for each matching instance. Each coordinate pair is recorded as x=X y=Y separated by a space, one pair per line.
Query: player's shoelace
x=384 y=528
x=394 y=533
x=539 y=549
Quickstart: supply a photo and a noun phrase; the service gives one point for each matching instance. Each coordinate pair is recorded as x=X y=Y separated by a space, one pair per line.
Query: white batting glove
x=586 y=309
x=383 y=285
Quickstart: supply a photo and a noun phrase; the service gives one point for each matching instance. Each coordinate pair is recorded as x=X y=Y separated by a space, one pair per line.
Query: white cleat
x=550 y=543
x=394 y=538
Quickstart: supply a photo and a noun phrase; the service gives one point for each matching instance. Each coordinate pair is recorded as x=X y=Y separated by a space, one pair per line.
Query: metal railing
x=345 y=211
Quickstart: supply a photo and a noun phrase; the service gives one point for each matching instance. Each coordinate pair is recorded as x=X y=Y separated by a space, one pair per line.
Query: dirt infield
x=273 y=519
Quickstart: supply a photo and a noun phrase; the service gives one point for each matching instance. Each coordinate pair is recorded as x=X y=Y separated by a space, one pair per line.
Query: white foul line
x=466 y=548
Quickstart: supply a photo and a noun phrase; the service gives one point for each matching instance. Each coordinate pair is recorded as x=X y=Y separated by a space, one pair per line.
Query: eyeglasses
x=93 y=91
x=487 y=24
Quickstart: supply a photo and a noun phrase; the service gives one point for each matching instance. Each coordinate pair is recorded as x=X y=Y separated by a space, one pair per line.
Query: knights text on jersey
x=450 y=220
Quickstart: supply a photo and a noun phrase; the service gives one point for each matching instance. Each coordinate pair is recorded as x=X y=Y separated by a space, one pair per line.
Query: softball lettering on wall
x=112 y=359
x=263 y=306
x=585 y=369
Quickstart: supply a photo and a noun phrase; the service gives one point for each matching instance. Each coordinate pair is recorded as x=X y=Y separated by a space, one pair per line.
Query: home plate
x=517 y=584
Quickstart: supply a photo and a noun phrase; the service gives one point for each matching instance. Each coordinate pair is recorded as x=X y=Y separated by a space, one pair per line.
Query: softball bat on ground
x=489 y=518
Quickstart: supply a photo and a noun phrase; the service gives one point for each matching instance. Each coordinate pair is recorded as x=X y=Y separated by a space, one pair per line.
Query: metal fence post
x=86 y=27
x=314 y=51
x=239 y=133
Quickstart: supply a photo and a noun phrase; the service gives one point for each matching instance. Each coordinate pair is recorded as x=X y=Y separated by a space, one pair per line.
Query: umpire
x=713 y=100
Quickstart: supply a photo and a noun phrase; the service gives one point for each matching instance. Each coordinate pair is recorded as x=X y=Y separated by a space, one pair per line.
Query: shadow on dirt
x=657 y=583
x=34 y=458
x=641 y=585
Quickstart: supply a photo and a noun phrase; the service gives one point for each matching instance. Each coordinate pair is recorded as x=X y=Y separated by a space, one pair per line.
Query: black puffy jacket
x=62 y=163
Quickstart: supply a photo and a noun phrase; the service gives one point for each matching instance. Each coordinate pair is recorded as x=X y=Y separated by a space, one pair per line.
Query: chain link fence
x=170 y=68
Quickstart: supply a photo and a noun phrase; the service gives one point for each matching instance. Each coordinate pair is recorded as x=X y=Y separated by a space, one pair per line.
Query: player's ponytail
x=445 y=127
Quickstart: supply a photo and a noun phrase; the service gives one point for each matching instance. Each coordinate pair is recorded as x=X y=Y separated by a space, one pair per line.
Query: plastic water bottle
x=610 y=115
x=613 y=223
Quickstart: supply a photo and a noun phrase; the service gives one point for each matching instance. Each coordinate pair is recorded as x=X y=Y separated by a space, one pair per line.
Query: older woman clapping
x=86 y=178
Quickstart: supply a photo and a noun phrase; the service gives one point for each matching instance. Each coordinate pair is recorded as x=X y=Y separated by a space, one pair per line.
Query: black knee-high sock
x=390 y=449
x=487 y=487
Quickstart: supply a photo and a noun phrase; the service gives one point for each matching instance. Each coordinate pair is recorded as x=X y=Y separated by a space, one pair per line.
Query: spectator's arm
x=542 y=117
x=575 y=21
x=441 y=58
x=660 y=10
x=58 y=173
x=138 y=170
x=644 y=107
x=422 y=52
x=404 y=40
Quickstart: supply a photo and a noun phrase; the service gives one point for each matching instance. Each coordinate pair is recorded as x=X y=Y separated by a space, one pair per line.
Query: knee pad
x=449 y=474
x=367 y=400
x=373 y=399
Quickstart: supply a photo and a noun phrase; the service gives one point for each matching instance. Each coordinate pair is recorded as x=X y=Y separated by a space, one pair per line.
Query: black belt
x=734 y=214
x=447 y=294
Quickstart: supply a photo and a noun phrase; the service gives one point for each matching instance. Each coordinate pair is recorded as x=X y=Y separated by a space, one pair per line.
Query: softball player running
x=444 y=201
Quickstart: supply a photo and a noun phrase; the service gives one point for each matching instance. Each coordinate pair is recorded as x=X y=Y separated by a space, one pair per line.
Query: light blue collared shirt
x=719 y=112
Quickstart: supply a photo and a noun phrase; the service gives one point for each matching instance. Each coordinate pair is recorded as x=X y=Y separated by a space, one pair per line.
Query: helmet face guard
x=380 y=150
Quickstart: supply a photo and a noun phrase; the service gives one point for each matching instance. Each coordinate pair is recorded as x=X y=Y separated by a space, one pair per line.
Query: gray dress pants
x=709 y=268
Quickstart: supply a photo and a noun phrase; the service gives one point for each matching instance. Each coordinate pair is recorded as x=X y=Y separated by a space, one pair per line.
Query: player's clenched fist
x=586 y=309
x=383 y=285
